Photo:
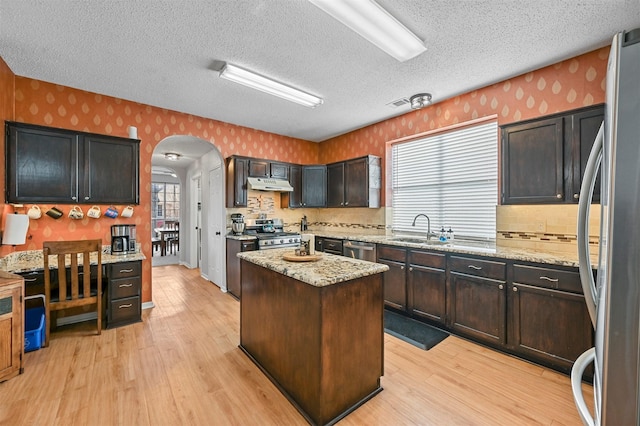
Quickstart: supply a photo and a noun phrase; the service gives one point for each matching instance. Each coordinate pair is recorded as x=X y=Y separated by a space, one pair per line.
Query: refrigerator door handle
x=586 y=195
x=577 y=371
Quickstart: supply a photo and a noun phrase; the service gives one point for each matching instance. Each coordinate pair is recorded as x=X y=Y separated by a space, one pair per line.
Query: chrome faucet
x=429 y=234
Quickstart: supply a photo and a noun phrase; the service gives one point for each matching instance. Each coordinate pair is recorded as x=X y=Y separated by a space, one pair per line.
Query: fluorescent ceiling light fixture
x=371 y=21
x=266 y=85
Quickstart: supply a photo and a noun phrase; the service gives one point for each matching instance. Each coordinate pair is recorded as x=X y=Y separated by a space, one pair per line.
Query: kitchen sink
x=418 y=240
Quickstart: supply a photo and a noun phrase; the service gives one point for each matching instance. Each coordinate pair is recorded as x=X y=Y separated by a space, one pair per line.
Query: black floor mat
x=411 y=331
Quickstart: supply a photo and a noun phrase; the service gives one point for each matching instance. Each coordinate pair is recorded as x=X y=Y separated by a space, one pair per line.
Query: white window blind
x=451 y=177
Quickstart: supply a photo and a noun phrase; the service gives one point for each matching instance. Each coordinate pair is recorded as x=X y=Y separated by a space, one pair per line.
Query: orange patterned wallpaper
x=567 y=85
x=52 y=105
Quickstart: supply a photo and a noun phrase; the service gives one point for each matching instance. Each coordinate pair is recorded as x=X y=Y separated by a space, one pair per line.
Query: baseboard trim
x=148 y=305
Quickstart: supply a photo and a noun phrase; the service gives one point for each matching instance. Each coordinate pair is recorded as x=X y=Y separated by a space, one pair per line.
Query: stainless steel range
x=270 y=234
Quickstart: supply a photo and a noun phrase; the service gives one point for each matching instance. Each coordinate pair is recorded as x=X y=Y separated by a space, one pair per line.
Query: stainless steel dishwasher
x=359 y=250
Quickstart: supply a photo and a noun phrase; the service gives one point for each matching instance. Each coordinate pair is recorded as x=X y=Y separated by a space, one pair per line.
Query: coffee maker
x=123 y=239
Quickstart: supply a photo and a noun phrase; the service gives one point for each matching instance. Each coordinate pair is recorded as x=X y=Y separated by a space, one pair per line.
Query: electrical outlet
x=541 y=226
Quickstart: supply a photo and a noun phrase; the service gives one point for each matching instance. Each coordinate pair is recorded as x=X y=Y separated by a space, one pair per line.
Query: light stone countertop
x=330 y=269
x=241 y=237
x=33 y=260
x=468 y=247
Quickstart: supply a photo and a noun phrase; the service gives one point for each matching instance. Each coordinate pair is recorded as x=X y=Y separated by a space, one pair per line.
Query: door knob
x=218 y=233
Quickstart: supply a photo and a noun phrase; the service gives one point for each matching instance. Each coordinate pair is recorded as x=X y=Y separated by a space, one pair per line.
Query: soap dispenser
x=450 y=235
x=443 y=235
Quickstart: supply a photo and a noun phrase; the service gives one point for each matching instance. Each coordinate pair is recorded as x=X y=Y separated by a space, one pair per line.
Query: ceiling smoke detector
x=420 y=100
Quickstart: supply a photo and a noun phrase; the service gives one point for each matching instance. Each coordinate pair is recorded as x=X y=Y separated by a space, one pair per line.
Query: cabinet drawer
x=479 y=268
x=424 y=258
x=125 y=310
x=125 y=269
x=125 y=287
x=247 y=245
x=548 y=278
x=392 y=253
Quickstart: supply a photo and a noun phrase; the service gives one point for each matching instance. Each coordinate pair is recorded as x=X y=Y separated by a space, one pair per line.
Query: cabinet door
x=549 y=326
x=585 y=126
x=427 y=285
x=478 y=308
x=293 y=199
x=237 y=169
x=259 y=168
x=41 y=164
x=314 y=186
x=111 y=168
x=394 y=284
x=279 y=170
x=356 y=186
x=11 y=330
x=335 y=185
x=533 y=162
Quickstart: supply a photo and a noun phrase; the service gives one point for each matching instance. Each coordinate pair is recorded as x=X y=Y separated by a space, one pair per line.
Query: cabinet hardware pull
x=126 y=270
x=30 y=280
x=576 y=196
x=500 y=286
x=477 y=268
x=86 y=198
x=126 y=285
x=558 y=196
x=402 y=267
x=515 y=288
x=128 y=305
x=410 y=268
x=553 y=280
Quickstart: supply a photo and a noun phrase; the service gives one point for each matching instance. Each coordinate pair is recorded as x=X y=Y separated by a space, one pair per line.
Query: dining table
x=166 y=233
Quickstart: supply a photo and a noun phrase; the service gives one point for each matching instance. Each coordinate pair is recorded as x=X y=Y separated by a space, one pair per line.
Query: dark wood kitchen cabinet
x=293 y=199
x=52 y=165
x=427 y=285
x=237 y=170
x=548 y=318
x=543 y=159
x=268 y=169
x=233 y=263
x=124 y=298
x=354 y=183
x=478 y=303
x=314 y=186
x=329 y=245
x=394 y=281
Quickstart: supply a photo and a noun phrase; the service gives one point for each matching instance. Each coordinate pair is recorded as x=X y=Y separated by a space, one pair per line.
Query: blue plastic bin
x=34 y=326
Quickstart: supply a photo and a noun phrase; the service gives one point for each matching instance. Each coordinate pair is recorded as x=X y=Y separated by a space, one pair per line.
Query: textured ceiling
x=160 y=53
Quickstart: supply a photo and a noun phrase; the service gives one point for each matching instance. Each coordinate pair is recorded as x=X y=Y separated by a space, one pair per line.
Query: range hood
x=269 y=184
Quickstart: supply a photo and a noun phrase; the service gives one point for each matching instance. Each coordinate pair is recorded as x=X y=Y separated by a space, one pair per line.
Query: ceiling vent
x=398 y=103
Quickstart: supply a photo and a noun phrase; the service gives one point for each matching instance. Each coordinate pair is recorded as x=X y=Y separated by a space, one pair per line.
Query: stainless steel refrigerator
x=613 y=298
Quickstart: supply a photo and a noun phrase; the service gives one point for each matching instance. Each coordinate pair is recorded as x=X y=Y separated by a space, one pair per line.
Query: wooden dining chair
x=173 y=238
x=75 y=284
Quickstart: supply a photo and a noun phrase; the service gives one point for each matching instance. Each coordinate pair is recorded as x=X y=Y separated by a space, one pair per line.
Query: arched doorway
x=202 y=212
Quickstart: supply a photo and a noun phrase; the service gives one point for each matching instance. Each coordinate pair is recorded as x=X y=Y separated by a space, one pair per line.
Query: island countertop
x=330 y=269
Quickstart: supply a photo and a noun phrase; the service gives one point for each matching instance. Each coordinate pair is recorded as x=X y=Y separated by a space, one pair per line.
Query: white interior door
x=215 y=228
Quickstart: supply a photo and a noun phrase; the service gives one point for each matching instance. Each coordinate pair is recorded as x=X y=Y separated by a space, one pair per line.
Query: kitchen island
x=315 y=329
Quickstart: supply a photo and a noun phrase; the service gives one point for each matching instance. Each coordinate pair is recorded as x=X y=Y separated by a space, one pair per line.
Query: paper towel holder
x=20 y=224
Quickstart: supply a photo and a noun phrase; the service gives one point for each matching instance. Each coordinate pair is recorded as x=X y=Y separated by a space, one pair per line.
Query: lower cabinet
x=478 y=307
x=329 y=245
x=427 y=285
x=11 y=325
x=394 y=281
x=233 y=263
x=123 y=293
x=548 y=318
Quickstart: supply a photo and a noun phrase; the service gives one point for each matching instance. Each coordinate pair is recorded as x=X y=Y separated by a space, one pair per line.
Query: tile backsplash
x=549 y=228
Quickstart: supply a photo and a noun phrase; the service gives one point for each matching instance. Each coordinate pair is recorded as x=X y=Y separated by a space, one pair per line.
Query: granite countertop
x=330 y=269
x=241 y=237
x=467 y=247
x=33 y=260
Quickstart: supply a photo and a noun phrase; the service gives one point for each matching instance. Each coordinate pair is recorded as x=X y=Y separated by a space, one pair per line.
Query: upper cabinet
x=62 y=166
x=267 y=169
x=354 y=183
x=543 y=160
x=237 y=172
x=309 y=187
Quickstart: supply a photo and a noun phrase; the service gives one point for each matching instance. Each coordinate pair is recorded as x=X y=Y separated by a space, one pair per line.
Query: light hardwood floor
x=182 y=366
